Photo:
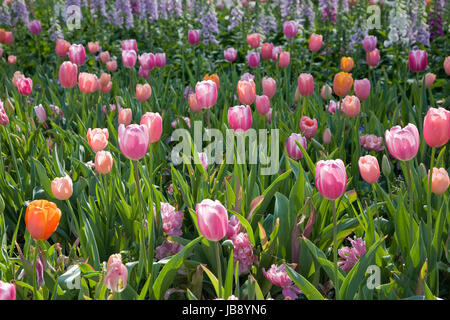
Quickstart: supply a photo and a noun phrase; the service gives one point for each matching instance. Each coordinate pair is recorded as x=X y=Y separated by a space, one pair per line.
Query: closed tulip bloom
x=373 y=57
x=315 y=42
x=290 y=29
x=439 y=181
x=111 y=65
x=326 y=138
x=130 y=44
x=4 y=119
x=105 y=78
x=369 y=43
x=266 y=50
x=447 y=65
x=17 y=75
x=93 y=47
x=212 y=219
x=276 y=52
x=292 y=148
x=35 y=27
x=362 y=89
x=351 y=106
x=347 y=64
x=262 y=104
x=97 y=138
x=371 y=142
x=403 y=144
x=68 y=74
x=194 y=36
x=12 y=60
x=105 y=57
x=133 y=141
x=40 y=113
x=253 y=59
x=326 y=92
x=62 y=48
x=230 y=54
x=246 y=91
x=160 y=60
x=285 y=59
x=331 y=178
x=129 y=58
x=429 y=79
x=125 y=115
x=342 y=83
x=153 y=122
x=214 y=77
x=436 y=127
x=240 y=118
x=87 y=82
x=25 y=86
x=8 y=37
x=106 y=88
x=7 y=291
x=305 y=84
x=147 y=61
x=417 y=60
x=369 y=168
x=116 y=277
x=42 y=219
x=62 y=188
x=206 y=93
x=77 y=54
x=143 y=73
x=253 y=40
x=203 y=159
x=308 y=127
x=143 y=92
x=103 y=162
x=193 y=104
x=269 y=86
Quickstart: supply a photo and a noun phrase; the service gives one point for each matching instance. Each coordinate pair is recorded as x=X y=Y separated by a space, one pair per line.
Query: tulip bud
x=212 y=219
x=103 y=162
x=62 y=188
x=153 y=122
x=386 y=166
x=326 y=136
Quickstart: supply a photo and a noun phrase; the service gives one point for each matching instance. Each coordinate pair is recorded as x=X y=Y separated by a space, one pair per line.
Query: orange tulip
x=342 y=83
x=42 y=218
x=214 y=77
x=347 y=64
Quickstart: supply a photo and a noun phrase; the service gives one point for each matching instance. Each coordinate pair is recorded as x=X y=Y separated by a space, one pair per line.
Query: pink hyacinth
x=371 y=142
x=233 y=227
x=172 y=220
x=7 y=291
x=278 y=276
x=351 y=255
x=167 y=248
x=243 y=252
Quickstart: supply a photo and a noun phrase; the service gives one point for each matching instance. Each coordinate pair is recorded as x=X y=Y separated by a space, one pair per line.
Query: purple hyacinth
x=98 y=8
x=172 y=220
x=162 y=9
x=210 y=27
x=148 y=9
x=5 y=16
x=267 y=23
x=435 y=19
x=167 y=248
x=418 y=29
x=123 y=15
x=236 y=15
x=285 y=8
x=20 y=12
x=328 y=8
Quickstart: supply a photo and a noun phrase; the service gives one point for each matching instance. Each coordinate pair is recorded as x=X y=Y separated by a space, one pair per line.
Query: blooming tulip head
x=417 y=60
x=403 y=144
x=143 y=92
x=87 y=82
x=290 y=29
x=292 y=148
x=116 y=277
x=125 y=115
x=68 y=74
x=194 y=36
x=369 y=168
x=240 y=118
x=253 y=59
x=308 y=127
x=369 y=43
x=62 y=188
x=105 y=57
x=41 y=114
x=246 y=91
x=62 y=48
x=439 y=180
x=97 y=138
x=429 y=79
x=351 y=106
x=212 y=219
x=262 y=104
x=347 y=64
x=103 y=162
x=447 y=65
x=436 y=127
x=35 y=27
x=133 y=141
x=371 y=142
x=153 y=122
x=373 y=57
x=130 y=44
x=315 y=42
x=266 y=50
x=160 y=60
x=269 y=86
x=93 y=47
x=42 y=219
x=147 y=61
x=24 y=86
x=230 y=54
x=362 y=89
x=214 y=77
x=111 y=65
x=192 y=100
x=206 y=94
x=305 y=83
x=285 y=59
x=129 y=58
x=7 y=291
x=331 y=178
x=77 y=54
x=253 y=40
x=342 y=83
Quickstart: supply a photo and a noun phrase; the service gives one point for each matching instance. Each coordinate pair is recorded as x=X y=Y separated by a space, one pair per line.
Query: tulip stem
x=336 y=280
x=219 y=269
x=140 y=212
x=35 y=284
x=411 y=196
x=430 y=179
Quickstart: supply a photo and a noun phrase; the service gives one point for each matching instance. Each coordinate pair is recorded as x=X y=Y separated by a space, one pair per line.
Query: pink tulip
x=351 y=106
x=326 y=138
x=269 y=116
x=125 y=116
x=292 y=148
x=35 y=27
x=97 y=138
x=93 y=47
x=266 y=50
x=240 y=118
x=12 y=60
x=373 y=57
x=276 y=52
x=246 y=91
x=62 y=48
x=279 y=277
x=111 y=65
x=331 y=178
x=308 y=127
x=290 y=29
x=4 y=119
x=253 y=59
x=133 y=140
x=17 y=75
x=143 y=92
x=147 y=61
x=326 y=92
x=62 y=188
x=7 y=291
x=370 y=43
x=417 y=60
x=206 y=94
x=447 y=66
x=436 y=127
x=116 y=277
x=193 y=104
x=315 y=42
x=285 y=59
x=369 y=168
x=439 y=181
x=305 y=84
x=143 y=73
x=130 y=44
x=77 y=54
x=41 y=114
x=194 y=37
x=362 y=88
x=87 y=82
x=333 y=106
x=371 y=142
x=25 y=86
x=403 y=144
x=253 y=40
x=269 y=86
x=212 y=219
x=203 y=159
x=230 y=54
x=429 y=79
x=103 y=162
x=262 y=104
x=160 y=60
x=153 y=122
x=105 y=57
x=68 y=74
x=129 y=58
